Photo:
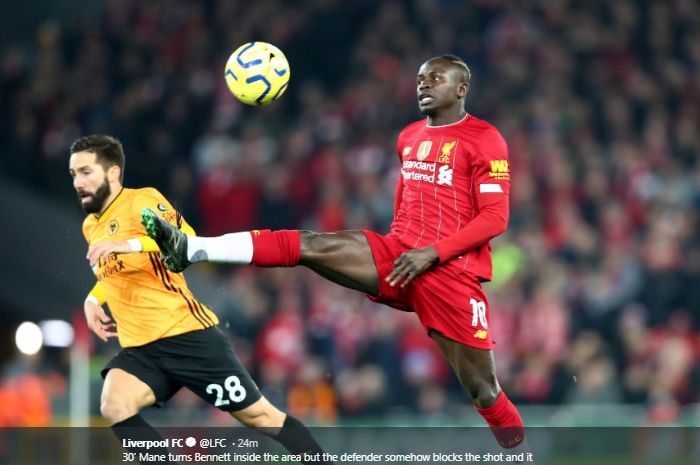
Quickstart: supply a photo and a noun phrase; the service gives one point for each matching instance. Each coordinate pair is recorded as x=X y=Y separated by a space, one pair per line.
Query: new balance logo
x=445 y=175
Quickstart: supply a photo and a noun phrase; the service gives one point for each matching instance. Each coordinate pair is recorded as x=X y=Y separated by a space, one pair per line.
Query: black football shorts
x=202 y=361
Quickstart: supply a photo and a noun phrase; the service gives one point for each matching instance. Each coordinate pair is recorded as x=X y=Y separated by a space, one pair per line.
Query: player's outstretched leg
x=171 y=241
x=343 y=257
x=274 y=248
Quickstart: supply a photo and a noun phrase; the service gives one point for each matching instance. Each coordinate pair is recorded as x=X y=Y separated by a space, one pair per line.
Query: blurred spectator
x=311 y=396
x=26 y=392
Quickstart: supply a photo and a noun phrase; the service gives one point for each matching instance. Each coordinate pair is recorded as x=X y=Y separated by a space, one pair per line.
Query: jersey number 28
x=232 y=384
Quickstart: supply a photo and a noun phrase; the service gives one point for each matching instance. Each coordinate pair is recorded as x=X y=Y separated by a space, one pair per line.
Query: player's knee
x=114 y=410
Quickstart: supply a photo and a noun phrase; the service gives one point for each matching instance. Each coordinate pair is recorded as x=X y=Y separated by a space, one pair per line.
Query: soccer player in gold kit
x=169 y=339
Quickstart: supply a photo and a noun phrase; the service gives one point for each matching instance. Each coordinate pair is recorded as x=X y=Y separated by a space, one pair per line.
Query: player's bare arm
x=411 y=264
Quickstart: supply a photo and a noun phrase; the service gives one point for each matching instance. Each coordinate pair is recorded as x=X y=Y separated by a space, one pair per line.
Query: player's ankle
x=276 y=248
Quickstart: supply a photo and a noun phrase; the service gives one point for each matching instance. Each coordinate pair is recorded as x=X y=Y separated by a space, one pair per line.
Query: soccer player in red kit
x=451 y=199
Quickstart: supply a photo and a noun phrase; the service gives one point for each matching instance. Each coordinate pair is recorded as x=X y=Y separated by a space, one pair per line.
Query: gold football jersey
x=146 y=301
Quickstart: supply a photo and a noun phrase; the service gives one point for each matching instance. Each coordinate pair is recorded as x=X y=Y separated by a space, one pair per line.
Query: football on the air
x=257 y=73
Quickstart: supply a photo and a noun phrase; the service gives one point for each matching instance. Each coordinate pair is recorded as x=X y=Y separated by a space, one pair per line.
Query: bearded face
x=92 y=202
x=90 y=181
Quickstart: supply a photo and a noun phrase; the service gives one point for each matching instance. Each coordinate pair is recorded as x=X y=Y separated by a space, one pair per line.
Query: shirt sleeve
x=97 y=294
x=491 y=175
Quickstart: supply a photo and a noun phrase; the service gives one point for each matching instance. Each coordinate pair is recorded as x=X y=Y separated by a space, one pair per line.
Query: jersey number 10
x=478 y=313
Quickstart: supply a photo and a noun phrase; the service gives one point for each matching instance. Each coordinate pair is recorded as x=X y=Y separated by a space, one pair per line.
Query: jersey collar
x=114 y=201
x=464 y=118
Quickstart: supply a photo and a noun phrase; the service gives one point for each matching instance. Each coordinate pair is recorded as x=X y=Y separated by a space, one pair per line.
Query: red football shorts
x=447 y=300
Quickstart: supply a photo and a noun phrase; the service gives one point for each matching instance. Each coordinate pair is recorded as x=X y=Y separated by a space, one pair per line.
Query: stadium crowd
x=595 y=298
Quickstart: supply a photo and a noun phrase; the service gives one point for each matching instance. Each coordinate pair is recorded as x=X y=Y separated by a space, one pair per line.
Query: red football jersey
x=453 y=191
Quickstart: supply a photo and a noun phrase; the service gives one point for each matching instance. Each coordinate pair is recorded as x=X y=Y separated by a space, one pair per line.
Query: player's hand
x=105 y=248
x=410 y=264
x=98 y=321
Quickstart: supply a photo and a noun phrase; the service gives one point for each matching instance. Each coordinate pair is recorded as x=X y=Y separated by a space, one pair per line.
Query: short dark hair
x=108 y=149
x=457 y=61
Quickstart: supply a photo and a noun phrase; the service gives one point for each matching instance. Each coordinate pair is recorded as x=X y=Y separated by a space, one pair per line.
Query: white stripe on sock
x=229 y=248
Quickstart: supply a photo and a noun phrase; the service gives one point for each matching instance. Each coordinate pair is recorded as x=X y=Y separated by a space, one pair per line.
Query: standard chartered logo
x=412 y=170
x=445 y=175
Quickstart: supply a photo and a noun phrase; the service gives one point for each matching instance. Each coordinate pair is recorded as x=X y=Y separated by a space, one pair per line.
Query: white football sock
x=229 y=248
